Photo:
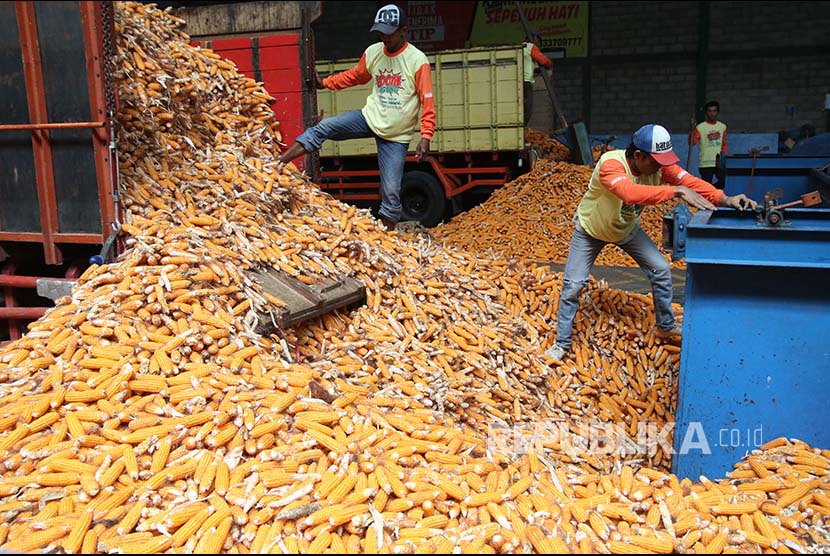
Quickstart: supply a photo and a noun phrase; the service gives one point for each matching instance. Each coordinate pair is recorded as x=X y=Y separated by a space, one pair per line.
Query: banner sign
x=563 y=26
x=435 y=26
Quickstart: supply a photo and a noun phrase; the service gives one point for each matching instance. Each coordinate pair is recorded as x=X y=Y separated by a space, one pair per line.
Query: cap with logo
x=389 y=19
x=655 y=140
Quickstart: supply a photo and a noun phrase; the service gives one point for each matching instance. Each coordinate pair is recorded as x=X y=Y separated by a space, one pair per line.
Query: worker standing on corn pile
x=402 y=87
x=609 y=212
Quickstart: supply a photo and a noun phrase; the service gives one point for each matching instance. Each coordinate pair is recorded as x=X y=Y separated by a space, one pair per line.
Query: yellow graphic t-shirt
x=712 y=138
x=402 y=83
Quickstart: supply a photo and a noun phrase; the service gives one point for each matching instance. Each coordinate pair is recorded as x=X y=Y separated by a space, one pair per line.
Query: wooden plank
x=303 y=301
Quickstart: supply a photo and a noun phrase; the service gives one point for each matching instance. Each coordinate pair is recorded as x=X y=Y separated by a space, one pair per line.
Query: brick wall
x=768 y=63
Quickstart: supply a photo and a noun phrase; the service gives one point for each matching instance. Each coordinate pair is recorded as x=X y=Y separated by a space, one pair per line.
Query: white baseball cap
x=655 y=140
x=389 y=19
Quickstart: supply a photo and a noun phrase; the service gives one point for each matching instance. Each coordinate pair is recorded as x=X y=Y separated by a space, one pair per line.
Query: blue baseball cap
x=655 y=140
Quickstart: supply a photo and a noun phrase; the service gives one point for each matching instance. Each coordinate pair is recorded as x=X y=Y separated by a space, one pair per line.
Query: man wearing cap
x=623 y=182
x=402 y=86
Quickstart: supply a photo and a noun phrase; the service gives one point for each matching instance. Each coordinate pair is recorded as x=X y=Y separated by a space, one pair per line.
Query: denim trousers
x=584 y=251
x=391 y=155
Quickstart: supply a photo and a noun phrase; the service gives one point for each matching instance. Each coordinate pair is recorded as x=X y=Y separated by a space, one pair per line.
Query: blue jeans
x=581 y=256
x=391 y=155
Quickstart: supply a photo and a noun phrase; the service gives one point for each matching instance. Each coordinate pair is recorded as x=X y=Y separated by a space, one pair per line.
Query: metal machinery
x=755 y=357
x=755 y=174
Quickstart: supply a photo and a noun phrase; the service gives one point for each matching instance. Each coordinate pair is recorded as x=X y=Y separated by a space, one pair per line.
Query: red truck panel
x=238 y=51
x=280 y=73
x=279 y=58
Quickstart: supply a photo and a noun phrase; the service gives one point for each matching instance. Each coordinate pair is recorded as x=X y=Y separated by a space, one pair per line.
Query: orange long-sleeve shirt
x=616 y=196
x=402 y=86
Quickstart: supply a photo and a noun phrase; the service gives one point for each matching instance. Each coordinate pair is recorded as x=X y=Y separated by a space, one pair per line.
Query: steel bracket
x=675 y=224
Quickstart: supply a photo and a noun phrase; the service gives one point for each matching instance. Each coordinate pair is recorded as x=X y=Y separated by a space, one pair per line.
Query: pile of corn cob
x=531 y=218
x=143 y=414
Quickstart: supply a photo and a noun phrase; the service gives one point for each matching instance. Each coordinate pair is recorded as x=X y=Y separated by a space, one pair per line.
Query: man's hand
x=318 y=81
x=422 y=150
x=740 y=202
x=693 y=198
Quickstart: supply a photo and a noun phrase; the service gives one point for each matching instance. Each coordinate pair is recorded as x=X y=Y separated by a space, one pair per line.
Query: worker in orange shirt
x=711 y=135
x=532 y=54
x=402 y=88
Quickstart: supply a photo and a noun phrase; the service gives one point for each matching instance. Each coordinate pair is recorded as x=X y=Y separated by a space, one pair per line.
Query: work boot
x=675 y=331
x=556 y=352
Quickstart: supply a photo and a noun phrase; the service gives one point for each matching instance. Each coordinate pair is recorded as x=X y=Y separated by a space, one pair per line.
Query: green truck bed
x=479 y=101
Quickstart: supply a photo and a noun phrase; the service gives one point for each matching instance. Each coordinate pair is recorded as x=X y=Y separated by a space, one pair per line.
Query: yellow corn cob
x=544 y=544
x=597 y=523
x=72 y=544
x=43 y=422
x=189 y=528
x=320 y=543
x=619 y=547
x=717 y=544
x=57 y=479
x=111 y=474
x=793 y=495
x=652 y=544
x=32 y=541
x=14 y=437
x=90 y=542
x=734 y=509
x=212 y=540
x=518 y=487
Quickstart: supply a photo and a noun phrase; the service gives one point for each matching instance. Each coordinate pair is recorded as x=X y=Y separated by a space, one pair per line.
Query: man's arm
x=614 y=178
x=690 y=188
x=357 y=75
x=694 y=137
x=423 y=87
x=723 y=148
x=540 y=58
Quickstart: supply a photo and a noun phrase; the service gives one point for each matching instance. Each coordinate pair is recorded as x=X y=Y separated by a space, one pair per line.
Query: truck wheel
x=422 y=198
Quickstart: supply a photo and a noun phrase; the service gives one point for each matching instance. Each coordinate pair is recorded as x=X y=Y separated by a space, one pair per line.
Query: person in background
x=532 y=54
x=711 y=135
x=402 y=87
x=623 y=182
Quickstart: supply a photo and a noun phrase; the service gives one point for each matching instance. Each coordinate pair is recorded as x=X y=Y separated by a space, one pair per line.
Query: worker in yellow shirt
x=711 y=135
x=623 y=183
x=401 y=88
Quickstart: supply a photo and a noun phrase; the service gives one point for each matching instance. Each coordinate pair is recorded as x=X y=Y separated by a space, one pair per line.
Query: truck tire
x=422 y=198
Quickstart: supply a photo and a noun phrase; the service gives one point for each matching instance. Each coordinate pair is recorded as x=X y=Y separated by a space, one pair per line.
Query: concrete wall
x=766 y=62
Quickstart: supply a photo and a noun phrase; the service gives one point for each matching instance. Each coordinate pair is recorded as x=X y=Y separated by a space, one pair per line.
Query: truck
x=478 y=145
x=58 y=175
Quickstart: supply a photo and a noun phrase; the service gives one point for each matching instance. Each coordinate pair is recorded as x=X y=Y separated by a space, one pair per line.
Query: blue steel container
x=790 y=173
x=755 y=359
